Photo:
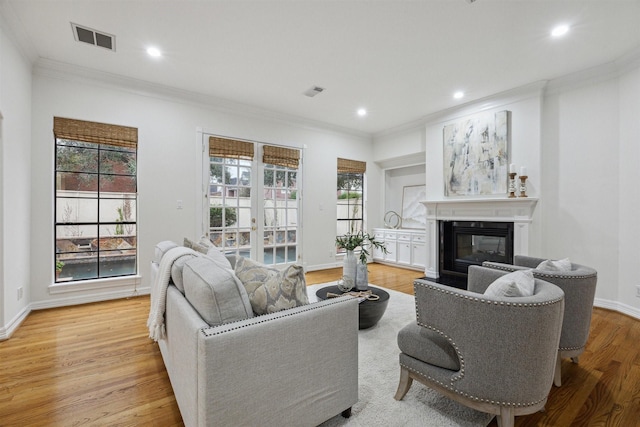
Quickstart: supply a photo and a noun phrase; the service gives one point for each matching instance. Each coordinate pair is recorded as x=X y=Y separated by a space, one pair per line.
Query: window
x=254 y=218
x=95 y=200
x=350 y=202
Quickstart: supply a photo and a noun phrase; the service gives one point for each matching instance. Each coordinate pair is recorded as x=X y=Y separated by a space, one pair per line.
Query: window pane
x=117 y=162
x=76 y=159
x=292 y=180
x=83 y=266
x=75 y=210
x=113 y=263
x=117 y=210
x=291 y=253
x=244 y=217
x=82 y=184
x=117 y=184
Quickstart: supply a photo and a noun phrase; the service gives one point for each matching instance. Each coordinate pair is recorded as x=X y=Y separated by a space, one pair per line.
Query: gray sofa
x=293 y=367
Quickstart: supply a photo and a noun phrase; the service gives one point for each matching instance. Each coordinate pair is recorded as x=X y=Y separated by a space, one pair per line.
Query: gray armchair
x=579 y=286
x=493 y=354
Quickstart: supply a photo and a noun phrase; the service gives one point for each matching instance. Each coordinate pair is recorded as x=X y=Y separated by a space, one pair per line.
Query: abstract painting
x=476 y=151
x=414 y=213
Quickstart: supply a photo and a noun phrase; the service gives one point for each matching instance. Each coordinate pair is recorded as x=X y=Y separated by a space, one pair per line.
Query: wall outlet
x=638 y=291
x=20 y=292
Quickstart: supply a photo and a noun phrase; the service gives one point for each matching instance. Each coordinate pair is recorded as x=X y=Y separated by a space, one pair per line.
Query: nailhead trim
x=467 y=395
x=540 y=274
x=209 y=331
x=482 y=300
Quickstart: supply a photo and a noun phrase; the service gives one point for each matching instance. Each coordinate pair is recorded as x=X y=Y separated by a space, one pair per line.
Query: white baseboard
x=10 y=328
x=617 y=306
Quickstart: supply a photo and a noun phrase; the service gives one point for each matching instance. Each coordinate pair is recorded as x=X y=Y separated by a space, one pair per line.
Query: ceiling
x=401 y=60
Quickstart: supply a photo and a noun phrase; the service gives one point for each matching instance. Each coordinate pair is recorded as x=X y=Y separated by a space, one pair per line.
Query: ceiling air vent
x=313 y=91
x=96 y=38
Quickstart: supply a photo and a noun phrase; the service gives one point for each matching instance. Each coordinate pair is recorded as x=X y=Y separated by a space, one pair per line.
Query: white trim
x=97 y=284
x=85 y=299
x=12 y=326
x=618 y=307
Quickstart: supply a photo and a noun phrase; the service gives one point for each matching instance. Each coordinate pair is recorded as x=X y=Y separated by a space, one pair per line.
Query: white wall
x=15 y=184
x=395 y=181
x=591 y=152
x=168 y=153
x=579 y=142
x=629 y=194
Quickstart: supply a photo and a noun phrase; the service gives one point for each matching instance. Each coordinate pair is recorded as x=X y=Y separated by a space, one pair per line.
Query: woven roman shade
x=230 y=148
x=99 y=133
x=351 y=166
x=281 y=156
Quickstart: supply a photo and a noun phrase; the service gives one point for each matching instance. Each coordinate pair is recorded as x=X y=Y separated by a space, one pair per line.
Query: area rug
x=379 y=372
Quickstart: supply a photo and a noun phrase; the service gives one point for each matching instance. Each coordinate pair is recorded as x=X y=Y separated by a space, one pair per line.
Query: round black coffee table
x=369 y=312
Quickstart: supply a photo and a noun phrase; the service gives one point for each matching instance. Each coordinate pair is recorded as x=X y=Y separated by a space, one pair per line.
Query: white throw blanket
x=159 y=291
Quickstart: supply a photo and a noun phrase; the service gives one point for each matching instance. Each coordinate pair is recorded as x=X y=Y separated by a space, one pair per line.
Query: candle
x=512 y=168
x=523 y=171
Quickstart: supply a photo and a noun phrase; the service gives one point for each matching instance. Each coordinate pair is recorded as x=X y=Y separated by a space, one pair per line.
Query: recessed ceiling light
x=458 y=95
x=154 y=51
x=560 y=30
x=362 y=112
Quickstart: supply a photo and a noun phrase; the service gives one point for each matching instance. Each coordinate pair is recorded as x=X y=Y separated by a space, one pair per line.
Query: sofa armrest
x=296 y=364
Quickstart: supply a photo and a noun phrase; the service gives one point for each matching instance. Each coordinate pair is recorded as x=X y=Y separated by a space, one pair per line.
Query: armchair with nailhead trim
x=493 y=354
x=579 y=286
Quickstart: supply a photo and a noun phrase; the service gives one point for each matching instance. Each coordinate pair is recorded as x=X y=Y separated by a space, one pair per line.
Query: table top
x=384 y=296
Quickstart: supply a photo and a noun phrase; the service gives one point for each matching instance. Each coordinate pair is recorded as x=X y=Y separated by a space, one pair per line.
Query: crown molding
x=68 y=72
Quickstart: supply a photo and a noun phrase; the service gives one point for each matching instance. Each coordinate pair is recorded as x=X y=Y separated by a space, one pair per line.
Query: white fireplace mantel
x=517 y=210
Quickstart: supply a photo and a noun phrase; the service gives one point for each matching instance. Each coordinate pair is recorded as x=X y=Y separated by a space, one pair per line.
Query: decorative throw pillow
x=270 y=289
x=517 y=284
x=196 y=246
x=215 y=292
x=559 y=265
x=218 y=257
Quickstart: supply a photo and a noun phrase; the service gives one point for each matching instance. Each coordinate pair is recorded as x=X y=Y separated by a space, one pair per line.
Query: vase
x=349 y=267
x=362 y=277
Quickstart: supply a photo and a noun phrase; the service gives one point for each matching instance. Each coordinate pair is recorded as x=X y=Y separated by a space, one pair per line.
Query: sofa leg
x=346 y=413
x=404 y=385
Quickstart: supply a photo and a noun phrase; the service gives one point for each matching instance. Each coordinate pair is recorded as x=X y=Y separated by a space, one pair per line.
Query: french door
x=253 y=199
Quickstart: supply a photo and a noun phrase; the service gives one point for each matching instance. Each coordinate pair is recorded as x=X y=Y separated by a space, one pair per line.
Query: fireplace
x=465 y=243
x=518 y=211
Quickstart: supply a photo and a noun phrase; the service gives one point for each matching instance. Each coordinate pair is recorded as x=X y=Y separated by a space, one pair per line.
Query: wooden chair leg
x=557 y=376
x=506 y=417
x=404 y=385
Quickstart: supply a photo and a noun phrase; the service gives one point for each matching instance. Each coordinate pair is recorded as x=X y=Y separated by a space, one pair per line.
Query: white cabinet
x=391 y=244
x=406 y=248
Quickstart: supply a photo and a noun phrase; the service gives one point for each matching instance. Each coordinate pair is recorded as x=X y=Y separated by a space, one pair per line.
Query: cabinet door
x=404 y=252
x=390 y=256
x=418 y=255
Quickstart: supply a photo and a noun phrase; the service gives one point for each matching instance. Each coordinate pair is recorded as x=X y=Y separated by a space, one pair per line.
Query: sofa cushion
x=196 y=246
x=161 y=249
x=517 y=284
x=270 y=289
x=177 y=271
x=215 y=292
x=559 y=265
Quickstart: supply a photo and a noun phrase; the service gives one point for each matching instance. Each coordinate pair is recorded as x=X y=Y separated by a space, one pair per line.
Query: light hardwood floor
x=94 y=365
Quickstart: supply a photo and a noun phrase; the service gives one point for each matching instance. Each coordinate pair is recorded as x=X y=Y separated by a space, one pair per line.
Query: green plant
x=361 y=240
x=59 y=265
x=215 y=216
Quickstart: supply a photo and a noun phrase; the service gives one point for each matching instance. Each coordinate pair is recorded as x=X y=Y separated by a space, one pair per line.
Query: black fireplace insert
x=465 y=243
